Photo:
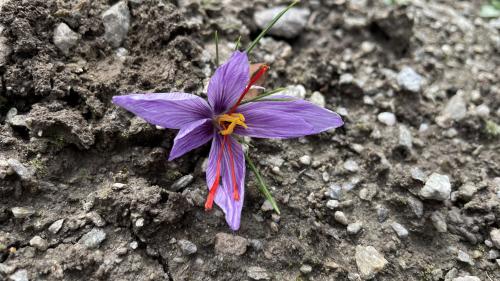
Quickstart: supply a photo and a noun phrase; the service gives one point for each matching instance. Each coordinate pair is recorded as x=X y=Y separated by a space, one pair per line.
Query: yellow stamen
x=233 y=119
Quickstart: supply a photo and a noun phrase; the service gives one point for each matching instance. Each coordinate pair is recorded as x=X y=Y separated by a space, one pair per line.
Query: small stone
x=410 y=80
x=20 y=275
x=354 y=228
x=369 y=261
x=341 y=218
x=39 y=243
x=400 y=230
x=266 y=206
x=467 y=191
x=96 y=219
x=493 y=254
x=305 y=160
x=416 y=206
x=289 y=26
x=467 y=278
x=118 y=186
x=182 y=183
x=334 y=192
x=437 y=187
x=256 y=244
x=332 y=204
x=139 y=222
x=230 y=244
x=21 y=170
x=318 y=99
x=455 y=110
x=482 y=111
x=405 y=137
x=439 y=222
x=257 y=273
x=417 y=174
x=93 y=238
x=495 y=237
x=187 y=247
x=21 y=213
x=464 y=257
x=382 y=214
x=116 y=22
x=387 y=118
x=134 y=245
x=306 y=269
x=351 y=166
x=296 y=91
x=14 y=119
x=65 y=38
x=56 y=226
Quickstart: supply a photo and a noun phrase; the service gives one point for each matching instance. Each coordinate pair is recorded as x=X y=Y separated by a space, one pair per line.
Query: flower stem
x=269 y=26
x=262 y=185
x=238 y=42
x=216 y=49
x=265 y=94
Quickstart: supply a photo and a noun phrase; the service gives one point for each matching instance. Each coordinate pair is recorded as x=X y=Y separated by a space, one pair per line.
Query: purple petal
x=224 y=195
x=191 y=136
x=168 y=110
x=228 y=82
x=286 y=119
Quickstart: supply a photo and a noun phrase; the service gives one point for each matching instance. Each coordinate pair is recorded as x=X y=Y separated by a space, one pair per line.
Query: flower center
x=228 y=122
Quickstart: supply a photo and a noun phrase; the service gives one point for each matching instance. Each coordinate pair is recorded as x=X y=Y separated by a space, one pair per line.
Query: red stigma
x=263 y=69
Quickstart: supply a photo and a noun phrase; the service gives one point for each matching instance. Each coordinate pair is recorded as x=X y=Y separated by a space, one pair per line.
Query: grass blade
x=238 y=42
x=262 y=185
x=265 y=94
x=216 y=49
x=269 y=26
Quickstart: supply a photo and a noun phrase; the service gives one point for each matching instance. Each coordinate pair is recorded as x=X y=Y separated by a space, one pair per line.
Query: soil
x=80 y=159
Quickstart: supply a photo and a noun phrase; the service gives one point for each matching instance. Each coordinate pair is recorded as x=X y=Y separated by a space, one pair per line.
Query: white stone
x=400 y=230
x=56 y=226
x=318 y=99
x=305 y=160
x=296 y=91
x=116 y=23
x=65 y=38
x=437 y=187
x=387 y=118
x=410 y=80
x=39 y=243
x=369 y=261
x=290 y=25
x=495 y=237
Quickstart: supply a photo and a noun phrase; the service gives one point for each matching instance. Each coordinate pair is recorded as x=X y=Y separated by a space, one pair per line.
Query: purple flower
x=220 y=118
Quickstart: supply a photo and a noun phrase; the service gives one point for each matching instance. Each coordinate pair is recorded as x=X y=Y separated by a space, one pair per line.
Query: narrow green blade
x=265 y=94
x=216 y=48
x=262 y=185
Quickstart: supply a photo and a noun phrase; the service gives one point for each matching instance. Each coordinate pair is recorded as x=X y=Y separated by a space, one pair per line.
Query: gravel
x=495 y=237
x=93 y=238
x=187 y=247
x=464 y=257
x=439 y=222
x=306 y=269
x=341 y=218
x=22 y=171
x=400 y=230
x=20 y=275
x=305 y=160
x=318 y=99
x=39 y=243
x=21 y=212
x=230 y=244
x=467 y=278
x=437 y=187
x=387 y=118
x=289 y=26
x=257 y=273
x=56 y=226
x=354 y=228
x=182 y=183
x=65 y=38
x=369 y=261
x=116 y=22
x=410 y=80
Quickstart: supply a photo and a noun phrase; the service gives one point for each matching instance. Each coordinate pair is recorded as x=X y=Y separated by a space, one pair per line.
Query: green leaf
x=265 y=94
x=489 y=11
x=269 y=26
x=238 y=43
x=216 y=49
x=262 y=185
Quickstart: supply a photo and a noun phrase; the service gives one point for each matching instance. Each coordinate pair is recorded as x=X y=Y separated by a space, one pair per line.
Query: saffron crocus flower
x=220 y=119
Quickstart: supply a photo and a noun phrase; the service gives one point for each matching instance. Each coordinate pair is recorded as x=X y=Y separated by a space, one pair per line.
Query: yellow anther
x=233 y=119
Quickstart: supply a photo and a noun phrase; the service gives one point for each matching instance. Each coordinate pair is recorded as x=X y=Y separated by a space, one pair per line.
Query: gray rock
x=289 y=26
x=16 y=120
x=318 y=99
x=467 y=191
x=266 y=206
x=334 y=192
x=187 y=247
x=351 y=166
x=455 y=110
x=369 y=261
x=182 y=183
x=5 y=49
x=416 y=206
x=439 y=222
x=341 y=218
x=65 y=38
x=418 y=174
x=467 y=278
x=382 y=213
x=21 y=213
x=296 y=91
x=305 y=160
x=39 y=243
x=387 y=118
x=495 y=237
x=93 y=238
x=21 y=170
x=332 y=204
x=257 y=273
x=437 y=187
x=56 y=226
x=354 y=228
x=400 y=230
x=464 y=257
x=20 y=275
x=116 y=23
x=410 y=80
x=96 y=219
x=306 y=269
x=230 y=244
x=493 y=254
x=405 y=137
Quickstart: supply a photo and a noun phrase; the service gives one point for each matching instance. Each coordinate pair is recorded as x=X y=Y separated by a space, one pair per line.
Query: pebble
x=21 y=170
x=93 y=238
x=318 y=99
x=257 y=273
x=416 y=206
x=418 y=174
x=495 y=237
x=332 y=204
x=334 y=192
x=405 y=137
x=369 y=261
x=464 y=257
x=306 y=269
x=187 y=247
x=467 y=191
x=341 y=218
x=116 y=22
x=39 y=243
x=296 y=91
x=387 y=118
x=56 y=226
x=14 y=119
x=96 y=219
x=20 y=275
x=21 y=213
x=439 y=222
x=437 y=187
x=305 y=160
x=400 y=230
x=493 y=254
x=289 y=26
x=410 y=80
x=351 y=166
x=482 y=111
x=455 y=109
x=382 y=214
x=65 y=38
x=134 y=245
x=230 y=244
x=266 y=206
x=181 y=183
x=354 y=228
x=467 y=278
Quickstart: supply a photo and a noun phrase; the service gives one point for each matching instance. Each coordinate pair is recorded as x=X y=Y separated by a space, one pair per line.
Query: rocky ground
x=408 y=189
